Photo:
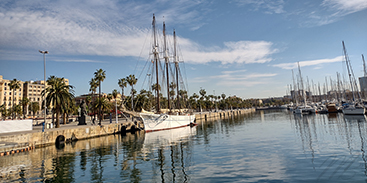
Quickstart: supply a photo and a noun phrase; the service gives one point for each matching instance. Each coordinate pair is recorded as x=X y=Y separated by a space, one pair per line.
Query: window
x=38 y=99
x=9 y=98
x=5 y=84
x=20 y=94
x=4 y=98
x=9 y=93
x=4 y=88
x=4 y=93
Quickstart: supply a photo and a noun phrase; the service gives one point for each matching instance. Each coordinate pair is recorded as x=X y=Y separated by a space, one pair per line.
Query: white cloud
x=78 y=60
x=308 y=63
x=237 y=79
x=64 y=28
x=270 y=6
x=330 y=11
x=347 y=6
x=233 y=52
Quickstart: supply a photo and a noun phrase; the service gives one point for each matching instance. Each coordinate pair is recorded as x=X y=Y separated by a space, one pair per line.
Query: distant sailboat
x=354 y=107
x=303 y=109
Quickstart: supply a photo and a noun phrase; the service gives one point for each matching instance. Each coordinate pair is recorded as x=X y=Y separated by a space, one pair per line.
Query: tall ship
x=171 y=117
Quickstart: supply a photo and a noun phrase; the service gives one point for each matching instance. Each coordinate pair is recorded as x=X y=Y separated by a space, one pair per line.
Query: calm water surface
x=266 y=146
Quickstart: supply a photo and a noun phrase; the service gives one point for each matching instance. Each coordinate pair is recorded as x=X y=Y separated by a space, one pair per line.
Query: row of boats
x=345 y=108
x=353 y=107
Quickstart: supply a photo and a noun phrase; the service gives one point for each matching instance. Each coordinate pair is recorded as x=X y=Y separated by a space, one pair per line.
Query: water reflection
x=99 y=159
x=263 y=146
x=348 y=131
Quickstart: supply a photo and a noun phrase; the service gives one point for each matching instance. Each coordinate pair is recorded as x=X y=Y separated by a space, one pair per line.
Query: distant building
x=363 y=85
x=30 y=89
x=6 y=94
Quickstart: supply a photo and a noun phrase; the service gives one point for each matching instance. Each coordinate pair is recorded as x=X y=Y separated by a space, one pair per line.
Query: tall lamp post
x=44 y=83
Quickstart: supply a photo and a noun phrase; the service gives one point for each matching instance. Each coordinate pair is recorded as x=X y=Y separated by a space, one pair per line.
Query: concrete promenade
x=15 y=142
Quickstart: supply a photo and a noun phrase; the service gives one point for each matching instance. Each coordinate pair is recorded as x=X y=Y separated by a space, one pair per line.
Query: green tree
x=24 y=102
x=13 y=85
x=114 y=95
x=131 y=80
x=122 y=84
x=99 y=76
x=223 y=96
x=103 y=104
x=93 y=88
x=202 y=92
x=35 y=107
x=60 y=96
x=3 y=111
x=88 y=100
x=17 y=110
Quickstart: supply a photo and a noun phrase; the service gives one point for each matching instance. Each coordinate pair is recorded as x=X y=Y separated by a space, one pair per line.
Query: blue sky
x=246 y=48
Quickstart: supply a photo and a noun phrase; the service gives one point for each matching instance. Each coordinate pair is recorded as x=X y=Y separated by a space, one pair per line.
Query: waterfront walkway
x=14 y=142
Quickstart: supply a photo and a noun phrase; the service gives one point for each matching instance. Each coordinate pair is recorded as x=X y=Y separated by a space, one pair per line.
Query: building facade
x=6 y=94
x=363 y=85
x=29 y=89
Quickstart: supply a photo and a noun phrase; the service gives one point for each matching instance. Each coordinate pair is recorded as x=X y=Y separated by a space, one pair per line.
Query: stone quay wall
x=203 y=116
x=19 y=142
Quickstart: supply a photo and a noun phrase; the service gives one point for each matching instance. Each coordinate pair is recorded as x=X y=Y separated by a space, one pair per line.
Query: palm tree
x=3 y=111
x=51 y=80
x=60 y=96
x=93 y=88
x=122 y=84
x=88 y=100
x=202 y=93
x=13 y=85
x=17 y=109
x=223 y=96
x=24 y=102
x=103 y=104
x=114 y=94
x=109 y=97
x=99 y=76
x=131 y=80
x=35 y=107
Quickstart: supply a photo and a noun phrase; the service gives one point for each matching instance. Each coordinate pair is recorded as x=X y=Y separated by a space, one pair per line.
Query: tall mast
x=303 y=88
x=176 y=67
x=167 y=63
x=338 y=84
x=294 y=89
x=156 y=60
x=349 y=74
x=326 y=89
x=320 y=92
x=364 y=67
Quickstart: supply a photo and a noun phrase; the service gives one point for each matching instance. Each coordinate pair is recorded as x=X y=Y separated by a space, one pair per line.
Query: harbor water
x=265 y=146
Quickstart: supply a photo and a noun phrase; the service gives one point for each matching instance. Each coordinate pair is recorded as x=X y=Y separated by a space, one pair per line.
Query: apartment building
x=6 y=95
x=30 y=89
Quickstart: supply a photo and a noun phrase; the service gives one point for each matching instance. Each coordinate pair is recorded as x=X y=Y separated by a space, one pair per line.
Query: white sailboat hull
x=156 y=122
x=354 y=111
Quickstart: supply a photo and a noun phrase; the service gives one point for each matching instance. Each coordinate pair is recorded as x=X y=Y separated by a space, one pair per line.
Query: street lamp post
x=44 y=84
